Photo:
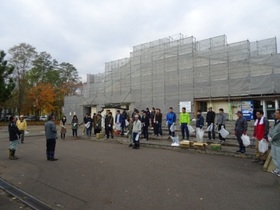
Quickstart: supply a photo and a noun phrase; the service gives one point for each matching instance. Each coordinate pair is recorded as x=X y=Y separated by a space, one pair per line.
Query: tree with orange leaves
x=42 y=97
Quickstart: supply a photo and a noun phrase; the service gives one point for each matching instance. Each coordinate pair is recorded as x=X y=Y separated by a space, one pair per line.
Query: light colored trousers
x=275 y=153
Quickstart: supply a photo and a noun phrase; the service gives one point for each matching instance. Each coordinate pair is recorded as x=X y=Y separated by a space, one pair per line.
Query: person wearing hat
x=240 y=129
x=22 y=126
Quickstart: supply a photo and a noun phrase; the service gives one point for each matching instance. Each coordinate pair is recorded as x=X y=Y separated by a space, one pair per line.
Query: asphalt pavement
x=107 y=174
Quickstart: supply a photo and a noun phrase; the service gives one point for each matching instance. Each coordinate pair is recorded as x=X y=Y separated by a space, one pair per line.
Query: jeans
x=74 y=132
x=145 y=132
x=240 y=142
x=171 y=133
x=211 y=132
x=50 y=148
x=184 y=129
x=157 y=129
x=89 y=131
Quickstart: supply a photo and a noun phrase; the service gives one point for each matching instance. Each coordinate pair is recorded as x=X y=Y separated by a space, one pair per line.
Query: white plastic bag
x=137 y=137
x=210 y=127
x=263 y=146
x=172 y=128
x=118 y=126
x=224 y=133
x=126 y=123
x=176 y=141
x=199 y=134
x=190 y=128
x=245 y=140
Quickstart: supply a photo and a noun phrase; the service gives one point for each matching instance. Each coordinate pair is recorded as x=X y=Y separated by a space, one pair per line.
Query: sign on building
x=187 y=105
x=247 y=109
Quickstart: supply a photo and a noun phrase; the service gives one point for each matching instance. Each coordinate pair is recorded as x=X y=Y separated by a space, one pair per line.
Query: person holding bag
x=221 y=121
x=274 y=137
x=260 y=133
x=240 y=129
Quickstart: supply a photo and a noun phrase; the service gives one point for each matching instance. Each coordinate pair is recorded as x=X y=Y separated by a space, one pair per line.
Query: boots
x=12 y=154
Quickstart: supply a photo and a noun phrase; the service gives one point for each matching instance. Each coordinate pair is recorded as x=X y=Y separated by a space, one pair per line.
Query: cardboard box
x=216 y=147
x=198 y=145
x=185 y=144
x=99 y=135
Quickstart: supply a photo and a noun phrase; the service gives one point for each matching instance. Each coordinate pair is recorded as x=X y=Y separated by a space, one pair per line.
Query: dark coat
x=14 y=132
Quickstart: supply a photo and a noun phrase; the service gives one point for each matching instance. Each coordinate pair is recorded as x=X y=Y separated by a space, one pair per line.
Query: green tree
x=7 y=83
x=22 y=57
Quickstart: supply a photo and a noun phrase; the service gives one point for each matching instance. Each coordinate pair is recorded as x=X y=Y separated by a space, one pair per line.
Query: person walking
x=240 y=129
x=22 y=126
x=14 y=136
x=136 y=132
x=274 y=138
x=260 y=132
x=51 y=136
x=171 y=120
x=221 y=122
x=63 y=127
x=75 y=124
x=185 y=121
x=210 y=120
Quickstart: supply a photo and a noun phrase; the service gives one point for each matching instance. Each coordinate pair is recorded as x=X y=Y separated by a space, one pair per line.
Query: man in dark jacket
x=109 y=123
x=51 y=136
x=145 y=124
x=240 y=128
x=210 y=119
x=14 y=134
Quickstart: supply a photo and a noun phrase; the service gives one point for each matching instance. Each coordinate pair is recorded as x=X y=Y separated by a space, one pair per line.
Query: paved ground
x=107 y=175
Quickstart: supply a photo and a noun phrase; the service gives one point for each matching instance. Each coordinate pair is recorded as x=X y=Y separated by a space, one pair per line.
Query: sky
x=90 y=33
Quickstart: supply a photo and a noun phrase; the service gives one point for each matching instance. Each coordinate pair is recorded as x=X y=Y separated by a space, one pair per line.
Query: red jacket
x=261 y=130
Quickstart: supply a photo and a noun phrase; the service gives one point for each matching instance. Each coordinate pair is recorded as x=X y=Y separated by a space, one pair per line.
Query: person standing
x=221 y=121
x=210 y=120
x=63 y=127
x=274 y=138
x=75 y=124
x=118 y=121
x=240 y=129
x=260 y=132
x=136 y=132
x=14 y=135
x=88 y=125
x=171 y=120
x=185 y=121
x=129 y=132
x=153 y=113
x=22 y=126
x=158 y=123
x=122 y=121
x=199 y=123
x=109 y=123
x=145 y=124
x=94 y=119
x=98 y=124
x=51 y=136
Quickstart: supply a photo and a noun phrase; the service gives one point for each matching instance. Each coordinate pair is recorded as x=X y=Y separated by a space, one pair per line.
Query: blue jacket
x=199 y=121
x=171 y=118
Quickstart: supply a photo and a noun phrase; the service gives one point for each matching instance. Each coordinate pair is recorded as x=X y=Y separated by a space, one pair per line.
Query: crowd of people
x=137 y=124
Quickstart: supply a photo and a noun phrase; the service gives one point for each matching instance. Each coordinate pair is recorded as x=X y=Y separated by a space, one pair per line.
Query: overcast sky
x=89 y=33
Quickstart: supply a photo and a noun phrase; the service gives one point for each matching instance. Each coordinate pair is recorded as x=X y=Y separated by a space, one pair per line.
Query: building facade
x=235 y=76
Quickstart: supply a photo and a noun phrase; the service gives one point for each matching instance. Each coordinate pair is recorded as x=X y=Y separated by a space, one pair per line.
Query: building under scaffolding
x=168 y=71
